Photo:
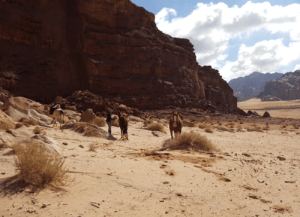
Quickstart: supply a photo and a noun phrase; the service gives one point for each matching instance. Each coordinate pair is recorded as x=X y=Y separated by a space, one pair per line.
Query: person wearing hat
x=108 y=121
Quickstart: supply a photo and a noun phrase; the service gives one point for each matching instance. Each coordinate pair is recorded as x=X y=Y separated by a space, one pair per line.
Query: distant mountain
x=286 y=88
x=250 y=86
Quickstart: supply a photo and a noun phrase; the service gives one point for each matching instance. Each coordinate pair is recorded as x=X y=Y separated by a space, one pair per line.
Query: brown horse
x=123 y=122
x=175 y=124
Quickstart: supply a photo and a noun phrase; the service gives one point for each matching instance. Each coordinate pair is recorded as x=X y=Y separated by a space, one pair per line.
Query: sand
x=245 y=178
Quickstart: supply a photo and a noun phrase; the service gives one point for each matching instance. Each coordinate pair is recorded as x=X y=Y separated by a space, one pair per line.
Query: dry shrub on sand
x=37 y=167
x=190 y=140
x=202 y=126
x=147 y=122
x=156 y=127
x=29 y=122
x=208 y=130
x=92 y=147
x=99 y=121
x=254 y=129
x=38 y=130
x=18 y=125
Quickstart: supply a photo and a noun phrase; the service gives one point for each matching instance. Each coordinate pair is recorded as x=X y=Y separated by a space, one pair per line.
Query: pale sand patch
x=117 y=181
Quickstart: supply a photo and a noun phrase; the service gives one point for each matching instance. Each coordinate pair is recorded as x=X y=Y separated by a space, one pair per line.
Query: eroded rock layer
x=110 y=47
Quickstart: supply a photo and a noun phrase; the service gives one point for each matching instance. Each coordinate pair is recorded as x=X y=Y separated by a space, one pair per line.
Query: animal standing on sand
x=123 y=122
x=57 y=113
x=175 y=124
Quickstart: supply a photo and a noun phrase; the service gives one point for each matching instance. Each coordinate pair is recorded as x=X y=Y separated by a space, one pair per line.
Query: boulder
x=87 y=116
x=6 y=122
x=266 y=115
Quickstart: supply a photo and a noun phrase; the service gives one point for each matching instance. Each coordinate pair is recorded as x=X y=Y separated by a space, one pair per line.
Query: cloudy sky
x=236 y=37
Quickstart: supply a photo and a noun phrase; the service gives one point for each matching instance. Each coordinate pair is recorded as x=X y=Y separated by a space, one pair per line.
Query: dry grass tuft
x=208 y=130
x=29 y=122
x=93 y=147
x=202 y=126
x=19 y=125
x=190 y=140
x=147 y=122
x=37 y=167
x=38 y=130
x=254 y=129
x=156 y=127
x=99 y=121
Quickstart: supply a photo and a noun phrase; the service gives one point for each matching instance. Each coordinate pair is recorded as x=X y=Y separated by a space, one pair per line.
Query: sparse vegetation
x=37 y=167
x=38 y=130
x=190 y=140
x=93 y=147
x=156 y=127
x=29 y=122
x=202 y=126
x=208 y=130
x=254 y=129
x=18 y=125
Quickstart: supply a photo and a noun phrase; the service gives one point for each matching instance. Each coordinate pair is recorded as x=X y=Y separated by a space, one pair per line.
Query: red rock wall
x=110 y=47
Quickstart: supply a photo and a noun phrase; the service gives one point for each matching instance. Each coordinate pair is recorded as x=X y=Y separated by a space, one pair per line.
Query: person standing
x=108 y=121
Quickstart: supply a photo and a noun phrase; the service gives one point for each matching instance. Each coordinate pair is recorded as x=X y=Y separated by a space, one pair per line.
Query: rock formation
x=109 y=47
x=286 y=88
x=250 y=86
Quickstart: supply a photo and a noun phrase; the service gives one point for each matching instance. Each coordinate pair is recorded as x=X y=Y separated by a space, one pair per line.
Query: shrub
x=92 y=147
x=190 y=140
x=147 y=122
x=99 y=121
x=29 y=122
x=157 y=127
x=37 y=167
x=202 y=126
x=256 y=129
x=18 y=125
x=241 y=122
x=208 y=130
x=38 y=130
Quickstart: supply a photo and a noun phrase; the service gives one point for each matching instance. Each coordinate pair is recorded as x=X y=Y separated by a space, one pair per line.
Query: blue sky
x=235 y=37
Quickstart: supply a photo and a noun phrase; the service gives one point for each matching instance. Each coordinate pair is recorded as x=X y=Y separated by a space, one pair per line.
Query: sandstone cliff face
x=110 y=47
x=286 y=88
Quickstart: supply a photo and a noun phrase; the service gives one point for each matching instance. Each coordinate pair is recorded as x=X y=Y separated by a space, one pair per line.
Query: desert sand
x=252 y=174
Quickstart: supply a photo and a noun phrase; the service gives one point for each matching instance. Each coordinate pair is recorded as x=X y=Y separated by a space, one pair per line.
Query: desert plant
x=37 y=167
x=99 y=121
x=37 y=130
x=18 y=125
x=208 y=130
x=157 y=127
x=147 y=122
x=190 y=140
x=202 y=126
x=92 y=147
x=29 y=122
x=296 y=126
x=255 y=128
x=241 y=122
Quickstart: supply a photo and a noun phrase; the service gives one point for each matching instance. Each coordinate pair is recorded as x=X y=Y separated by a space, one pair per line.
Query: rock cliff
x=286 y=88
x=250 y=86
x=109 y=47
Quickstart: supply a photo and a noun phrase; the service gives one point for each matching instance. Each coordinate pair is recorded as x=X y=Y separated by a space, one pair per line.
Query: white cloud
x=297 y=67
x=264 y=56
x=210 y=27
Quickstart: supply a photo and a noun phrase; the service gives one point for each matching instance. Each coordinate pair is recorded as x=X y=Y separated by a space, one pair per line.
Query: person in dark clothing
x=108 y=121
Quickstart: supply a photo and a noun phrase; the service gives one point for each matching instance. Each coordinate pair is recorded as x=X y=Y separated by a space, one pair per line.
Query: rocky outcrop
x=109 y=47
x=286 y=88
x=270 y=98
x=250 y=86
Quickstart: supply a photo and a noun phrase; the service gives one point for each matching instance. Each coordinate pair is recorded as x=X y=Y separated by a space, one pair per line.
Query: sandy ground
x=245 y=178
x=280 y=109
